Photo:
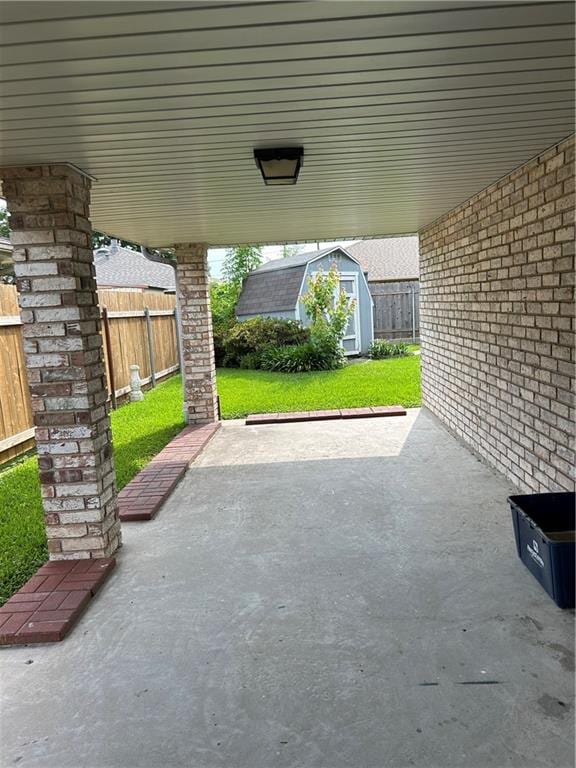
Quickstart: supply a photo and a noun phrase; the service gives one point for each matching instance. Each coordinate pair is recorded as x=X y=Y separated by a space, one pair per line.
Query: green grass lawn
x=374 y=382
x=140 y=430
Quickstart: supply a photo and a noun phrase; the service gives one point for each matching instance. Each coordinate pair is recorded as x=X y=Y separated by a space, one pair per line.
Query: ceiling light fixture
x=279 y=166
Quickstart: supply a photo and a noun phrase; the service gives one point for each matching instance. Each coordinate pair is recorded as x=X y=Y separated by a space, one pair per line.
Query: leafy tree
x=325 y=305
x=290 y=250
x=100 y=240
x=223 y=299
x=328 y=309
x=6 y=267
x=239 y=261
x=4 y=225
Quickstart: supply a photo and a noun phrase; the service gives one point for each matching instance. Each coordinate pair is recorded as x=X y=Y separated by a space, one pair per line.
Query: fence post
x=413 y=316
x=150 y=346
x=106 y=324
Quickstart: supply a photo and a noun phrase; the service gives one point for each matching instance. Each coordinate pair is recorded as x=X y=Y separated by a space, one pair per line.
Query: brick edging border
x=339 y=413
x=46 y=608
x=141 y=499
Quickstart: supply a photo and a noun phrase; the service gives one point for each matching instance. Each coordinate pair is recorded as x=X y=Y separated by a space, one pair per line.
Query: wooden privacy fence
x=16 y=432
x=139 y=328
x=396 y=310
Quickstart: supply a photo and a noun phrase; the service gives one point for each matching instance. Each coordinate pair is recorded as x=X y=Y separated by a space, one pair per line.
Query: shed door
x=351 y=340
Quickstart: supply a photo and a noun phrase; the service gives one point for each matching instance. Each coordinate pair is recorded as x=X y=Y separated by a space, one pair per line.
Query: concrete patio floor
x=315 y=596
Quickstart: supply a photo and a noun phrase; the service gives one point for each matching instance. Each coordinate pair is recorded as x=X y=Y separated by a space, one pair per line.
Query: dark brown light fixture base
x=279 y=166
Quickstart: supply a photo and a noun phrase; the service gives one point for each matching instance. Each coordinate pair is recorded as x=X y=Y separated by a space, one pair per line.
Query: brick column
x=49 y=208
x=199 y=370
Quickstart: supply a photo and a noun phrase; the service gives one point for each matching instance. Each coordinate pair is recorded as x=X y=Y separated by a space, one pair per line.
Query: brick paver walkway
x=144 y=495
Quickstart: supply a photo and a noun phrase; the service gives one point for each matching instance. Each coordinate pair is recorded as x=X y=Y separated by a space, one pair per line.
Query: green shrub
x=250 y=361
x=328 y=347
x=220 y=331
x=300 y=358
x=381 y=349
x=253 y=336
x=223 y=299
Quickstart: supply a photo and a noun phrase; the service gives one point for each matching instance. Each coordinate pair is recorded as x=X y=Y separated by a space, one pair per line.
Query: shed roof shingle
x=270 y=290
x=391 y=258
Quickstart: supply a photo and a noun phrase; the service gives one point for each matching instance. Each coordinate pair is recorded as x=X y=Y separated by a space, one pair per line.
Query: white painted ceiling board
x=221 y=36
x=404 y=108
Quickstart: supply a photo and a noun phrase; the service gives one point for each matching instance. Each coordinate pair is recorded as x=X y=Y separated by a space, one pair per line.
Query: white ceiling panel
x=404 y=109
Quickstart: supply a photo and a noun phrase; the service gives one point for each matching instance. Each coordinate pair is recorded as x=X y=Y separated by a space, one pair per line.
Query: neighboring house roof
x=123 y=268
x=275 y=286
x=392 y=258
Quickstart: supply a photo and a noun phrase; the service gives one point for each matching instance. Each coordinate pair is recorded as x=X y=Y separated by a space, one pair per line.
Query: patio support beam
x=53 y=259
x=198 y=363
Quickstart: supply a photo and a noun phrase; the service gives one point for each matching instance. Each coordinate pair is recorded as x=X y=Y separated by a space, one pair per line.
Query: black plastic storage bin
x=544 y=528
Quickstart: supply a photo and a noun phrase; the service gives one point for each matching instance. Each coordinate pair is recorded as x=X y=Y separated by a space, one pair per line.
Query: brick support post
x=199 y=370
x=49 y=207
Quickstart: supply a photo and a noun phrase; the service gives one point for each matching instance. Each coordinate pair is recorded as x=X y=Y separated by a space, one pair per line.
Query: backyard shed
x=276 y=288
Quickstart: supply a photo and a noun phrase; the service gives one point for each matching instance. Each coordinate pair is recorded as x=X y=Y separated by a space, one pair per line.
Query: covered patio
x=350 y=597
x=322 y=595
x=451 y=120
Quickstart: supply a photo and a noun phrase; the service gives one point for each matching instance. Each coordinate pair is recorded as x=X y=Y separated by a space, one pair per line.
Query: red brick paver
x=46 y=608
x=356 y=413
x=144 y=495
x=342 y=413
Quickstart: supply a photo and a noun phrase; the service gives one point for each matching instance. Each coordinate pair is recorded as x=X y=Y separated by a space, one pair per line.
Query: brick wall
x=497 y=321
